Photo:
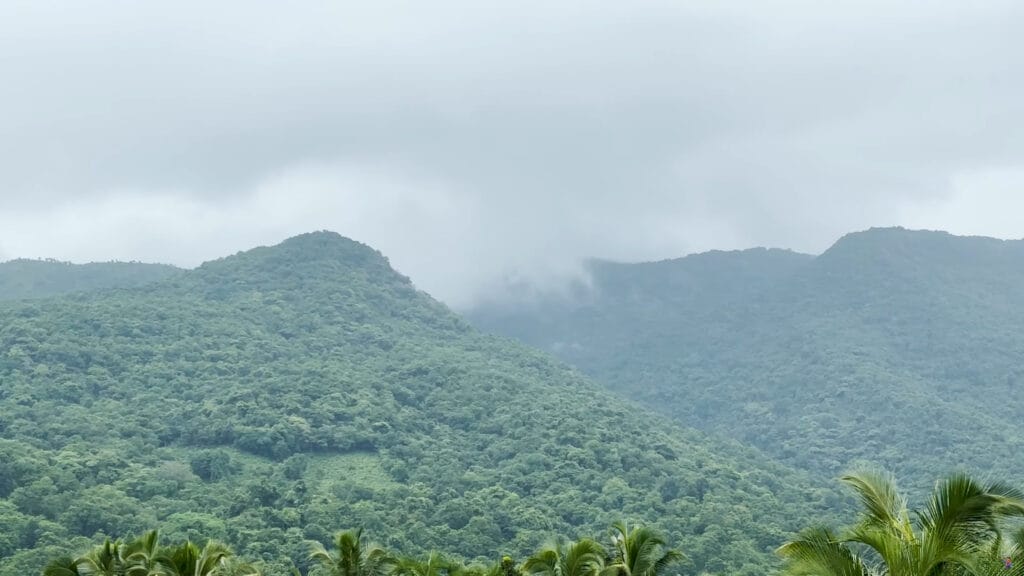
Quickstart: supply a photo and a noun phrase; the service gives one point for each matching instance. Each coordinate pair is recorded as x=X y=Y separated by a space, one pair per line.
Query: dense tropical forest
x=966 y=527
x=894 y=346
x=631 y=551
x=22 y=279
x=267 y=399
x=252 y=407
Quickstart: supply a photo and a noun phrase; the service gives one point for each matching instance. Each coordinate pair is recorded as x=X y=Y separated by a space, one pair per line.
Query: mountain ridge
x=24 y=278
x=229 y=399
x=818 y=364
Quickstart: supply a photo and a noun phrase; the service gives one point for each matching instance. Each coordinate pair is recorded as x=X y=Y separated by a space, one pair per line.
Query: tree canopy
x=895 y=347
x=263 y=398
x=959 y=531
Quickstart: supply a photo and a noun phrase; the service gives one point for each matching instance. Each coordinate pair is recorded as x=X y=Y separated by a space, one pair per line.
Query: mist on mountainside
x=893 y=346
x=559 y=288
x=474 y=142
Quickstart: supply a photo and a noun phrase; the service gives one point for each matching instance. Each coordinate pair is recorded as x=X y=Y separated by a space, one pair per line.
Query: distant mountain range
x=21 y=279
x=897 y=347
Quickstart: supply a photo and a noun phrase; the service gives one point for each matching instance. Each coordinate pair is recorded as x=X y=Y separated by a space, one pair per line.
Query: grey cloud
x=471 y=141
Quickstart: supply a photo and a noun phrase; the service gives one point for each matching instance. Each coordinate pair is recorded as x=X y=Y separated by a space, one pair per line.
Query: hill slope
x=283 y=393
x=894 y=346
x=22 y=279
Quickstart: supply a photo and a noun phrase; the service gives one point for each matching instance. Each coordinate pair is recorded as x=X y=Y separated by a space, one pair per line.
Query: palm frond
x=818 y=552
x=140 y=555
x=1010 y=500
x=63 y=566
x=960 y=510
x=546 y=561
x=211 y=558
x=667 y=559
x=583 y=558
x=882 y=503
x=433 y=565
x=639 y=552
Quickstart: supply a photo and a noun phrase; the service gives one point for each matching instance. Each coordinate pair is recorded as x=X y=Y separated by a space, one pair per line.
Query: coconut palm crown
x=352 y=556
x=145 y=557
x=558 y=558
x=958 y=532
x=640 y=551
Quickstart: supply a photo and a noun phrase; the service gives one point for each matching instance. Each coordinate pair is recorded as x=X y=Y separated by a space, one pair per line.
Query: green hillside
x=22 y=279
x=280 y=394
x=897 y=347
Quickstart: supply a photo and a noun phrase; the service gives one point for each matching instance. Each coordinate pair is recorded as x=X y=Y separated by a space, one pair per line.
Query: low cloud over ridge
x=470 y=143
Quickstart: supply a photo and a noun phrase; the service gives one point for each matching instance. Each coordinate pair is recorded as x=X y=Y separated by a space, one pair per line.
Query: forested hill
x=21 y=279
x=894 y=346
x=281 y=394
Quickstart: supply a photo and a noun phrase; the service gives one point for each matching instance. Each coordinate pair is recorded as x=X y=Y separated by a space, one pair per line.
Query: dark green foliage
x=433 y=564
x=896 y=347
x=961 y=531
x=560 y=558
x=263 y=399
x=212 y=464
x=23 y=279
x=189 y=559
x=639 y=551
x=351 y=556
x=146 y=557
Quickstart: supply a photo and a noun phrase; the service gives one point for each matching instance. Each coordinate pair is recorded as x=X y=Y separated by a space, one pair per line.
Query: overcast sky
x=470 y=141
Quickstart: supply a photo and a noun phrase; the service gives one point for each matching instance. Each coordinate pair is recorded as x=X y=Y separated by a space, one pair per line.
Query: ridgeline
x=275 y=396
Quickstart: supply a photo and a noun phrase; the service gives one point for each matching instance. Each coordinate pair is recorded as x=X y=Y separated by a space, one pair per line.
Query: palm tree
x=144 y=557
x=236 y=567
x=468 y=570
x=1004 y=558
x=104 y=560
x=557 y=558
x=351 y=556
x=639 y=552
x=958 y=532
x=107 y=559
x=434 y=565
x=141 y=554
x=189 y=559
x=63 y=566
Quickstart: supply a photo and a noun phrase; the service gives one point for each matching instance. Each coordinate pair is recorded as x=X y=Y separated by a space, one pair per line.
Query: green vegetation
x=22 y=279
x=265 y=398
x=353 y=556
x=960 y=531
x=145 y=557
x=640 y=551
x=895 y=347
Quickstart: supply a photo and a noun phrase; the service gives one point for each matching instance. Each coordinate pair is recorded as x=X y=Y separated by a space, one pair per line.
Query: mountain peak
x=899 y=243
x=899 y=233
x=320 y=247
x=316 y=258
x=325 y=244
